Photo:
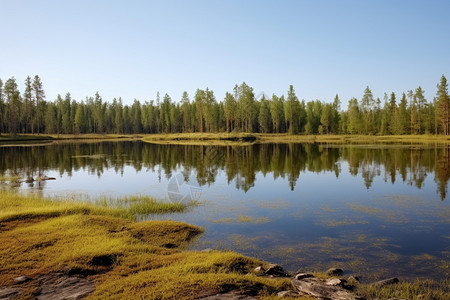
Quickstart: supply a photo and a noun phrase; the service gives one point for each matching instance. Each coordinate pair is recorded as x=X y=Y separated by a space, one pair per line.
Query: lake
x=374 y=211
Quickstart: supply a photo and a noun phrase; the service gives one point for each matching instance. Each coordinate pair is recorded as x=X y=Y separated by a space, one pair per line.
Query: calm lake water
x=375 y=211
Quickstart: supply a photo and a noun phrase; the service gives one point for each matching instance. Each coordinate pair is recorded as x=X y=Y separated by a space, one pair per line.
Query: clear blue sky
x=132 y=49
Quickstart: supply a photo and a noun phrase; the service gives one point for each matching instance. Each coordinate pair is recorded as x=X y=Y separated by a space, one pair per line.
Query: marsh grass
x=419 y=289
x=134 y=205
x=17 y=206
x=145 y=259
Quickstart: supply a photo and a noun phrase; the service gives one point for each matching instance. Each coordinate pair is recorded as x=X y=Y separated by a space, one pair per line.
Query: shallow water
x=373 y=211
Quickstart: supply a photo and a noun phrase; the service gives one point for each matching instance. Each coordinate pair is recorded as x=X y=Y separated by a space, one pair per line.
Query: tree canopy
x=239 y=111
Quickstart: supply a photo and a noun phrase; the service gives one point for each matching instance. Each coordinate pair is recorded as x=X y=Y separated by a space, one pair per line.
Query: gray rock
x=285 y=294
x=386 y=282
x=9 y=292
x=260 y=269
x=351 y=282
x=334 y=282
x=231 y=295
x=319 y=288
x=21 y=279
x=335 y=272
x=303 y=275
x=352 y=279
x=276 y=271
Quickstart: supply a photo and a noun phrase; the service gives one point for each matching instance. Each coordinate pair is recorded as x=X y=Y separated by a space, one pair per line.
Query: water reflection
x=370 y=210
x=240 y=163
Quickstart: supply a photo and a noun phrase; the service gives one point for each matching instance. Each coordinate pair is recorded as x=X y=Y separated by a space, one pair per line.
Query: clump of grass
x=419 y=289
x=140 y=205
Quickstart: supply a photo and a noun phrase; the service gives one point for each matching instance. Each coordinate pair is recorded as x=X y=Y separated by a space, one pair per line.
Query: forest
x=238 y=111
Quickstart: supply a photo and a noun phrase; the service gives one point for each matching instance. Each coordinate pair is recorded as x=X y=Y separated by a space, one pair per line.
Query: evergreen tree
x=79 y=121
x=443 y=104
x=230 y=111
x=185 y=103
x=39 y=99
x=420 y=102
x=264 y=116
x=12 y=97
x=367 y=104
x=29 y=106
x=2 y=108
x=290 y=108
x=403 y=115
x=200 y=98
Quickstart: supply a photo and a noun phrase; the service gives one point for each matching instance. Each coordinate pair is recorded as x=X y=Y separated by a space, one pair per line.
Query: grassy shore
x=223 y=139
x=38 y=236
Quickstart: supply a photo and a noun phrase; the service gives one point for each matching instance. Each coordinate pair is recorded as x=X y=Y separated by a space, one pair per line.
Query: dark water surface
x=375 y=211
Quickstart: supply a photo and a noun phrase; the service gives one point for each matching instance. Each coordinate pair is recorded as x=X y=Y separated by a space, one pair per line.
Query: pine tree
x=2 y=108
x=185 y=102
x=443 y=104
x=29 y=106
x=39 y=99
x=290 y=108
x=12 y=97
x=230 y=111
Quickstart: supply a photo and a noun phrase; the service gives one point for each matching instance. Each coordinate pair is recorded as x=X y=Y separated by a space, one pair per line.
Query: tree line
x=239 y=111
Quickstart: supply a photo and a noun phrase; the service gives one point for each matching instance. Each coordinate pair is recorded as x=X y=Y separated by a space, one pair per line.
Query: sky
x=133 y=49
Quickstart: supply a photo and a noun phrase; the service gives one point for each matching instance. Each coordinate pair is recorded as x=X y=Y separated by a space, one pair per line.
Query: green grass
x=233 y=138
x=39 y=235
x=419 y=289
x=15 y=206
x=227 y=138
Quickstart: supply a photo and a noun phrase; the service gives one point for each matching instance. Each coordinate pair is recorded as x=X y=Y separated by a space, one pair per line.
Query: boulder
x=303 y=275
x=276 y=271
x=21 y=279
x=385 y=282
x=319 y=288
x=334 y=282
x=334 y=272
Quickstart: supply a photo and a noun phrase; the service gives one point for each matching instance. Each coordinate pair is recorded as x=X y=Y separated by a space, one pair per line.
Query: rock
x=207 y=250
x=334 y=282
x=9 y=292
x=55 y=285
x=319 y=288
x=276 y=271
x=351 y=283
x=21 y=279
x=260 y=269
x=231 y=295
x=59 y=286
x=285 y=294
x=335 y=272
x=352 y=279
x=386 y=282
x=303 y=275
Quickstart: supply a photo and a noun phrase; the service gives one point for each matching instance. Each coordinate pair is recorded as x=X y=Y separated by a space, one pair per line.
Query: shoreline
x=225 y=139
x=56 y=241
